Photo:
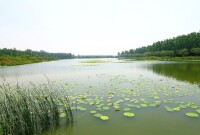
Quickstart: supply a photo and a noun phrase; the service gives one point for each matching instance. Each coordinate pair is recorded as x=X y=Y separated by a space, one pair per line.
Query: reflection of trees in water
x=189 y=72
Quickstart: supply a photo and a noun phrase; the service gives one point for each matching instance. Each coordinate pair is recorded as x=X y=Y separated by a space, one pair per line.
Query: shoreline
x=14 y=61
x=185 y=58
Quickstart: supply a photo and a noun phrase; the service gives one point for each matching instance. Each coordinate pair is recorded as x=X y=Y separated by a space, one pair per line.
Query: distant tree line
x=95 y=56
x=184 y=45
x=5 y=52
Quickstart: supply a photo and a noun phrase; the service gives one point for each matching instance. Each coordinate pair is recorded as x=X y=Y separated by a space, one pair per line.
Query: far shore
x=13 y=61
x=152 y=58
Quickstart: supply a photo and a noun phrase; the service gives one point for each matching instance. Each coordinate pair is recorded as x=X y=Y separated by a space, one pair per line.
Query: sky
x=94 y=27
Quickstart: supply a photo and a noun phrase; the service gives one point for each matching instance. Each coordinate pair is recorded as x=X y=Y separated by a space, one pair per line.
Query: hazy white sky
x=94 y=26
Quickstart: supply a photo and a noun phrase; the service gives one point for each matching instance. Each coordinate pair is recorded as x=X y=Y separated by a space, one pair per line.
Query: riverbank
x=12 y=57
x=21 y=60
x=185 y=58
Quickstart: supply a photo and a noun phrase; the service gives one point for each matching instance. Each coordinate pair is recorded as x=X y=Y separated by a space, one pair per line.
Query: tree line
x=5 y=52
x=183 y=45
x=94 y=56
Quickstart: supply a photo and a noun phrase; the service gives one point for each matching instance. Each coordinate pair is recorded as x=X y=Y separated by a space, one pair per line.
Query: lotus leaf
x=198 y=110
x=169 y=109
x=93 y=111
x=62 y=115
x=127 y=109
x=98 y=115
x=129 y=114
x=104 y=118
x=106 y=108
x=190 y=114
x=143 y=105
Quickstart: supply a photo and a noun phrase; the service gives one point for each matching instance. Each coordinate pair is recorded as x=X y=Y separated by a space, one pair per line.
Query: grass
x=33 y=109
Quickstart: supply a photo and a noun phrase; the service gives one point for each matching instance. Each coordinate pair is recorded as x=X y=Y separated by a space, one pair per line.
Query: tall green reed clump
x=32 y=109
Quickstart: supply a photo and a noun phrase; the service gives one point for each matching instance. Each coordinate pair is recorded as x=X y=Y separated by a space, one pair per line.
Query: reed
x=30 y=110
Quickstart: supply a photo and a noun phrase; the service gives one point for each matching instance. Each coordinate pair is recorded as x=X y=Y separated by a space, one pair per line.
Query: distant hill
x=183 y=45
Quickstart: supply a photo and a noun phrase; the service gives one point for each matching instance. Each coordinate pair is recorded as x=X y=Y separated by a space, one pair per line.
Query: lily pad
x=91 y=102
x=62 y=115
x=143 y=105
x=98 y=115
x=142 y=99
x=169 y=109
x=155 y=97
x=137 y=106
x=198 y=110
x=129 y=114
x=127 y=109
x=183 y=106
x=98 y=108
x=194 y=106
x=82 y=109
x=93 y=112
x=104 y=118
x=106 y=108
x=109 y=104
x=177 y=109
x=116 y=108
x=130 y=105
x=190 y=114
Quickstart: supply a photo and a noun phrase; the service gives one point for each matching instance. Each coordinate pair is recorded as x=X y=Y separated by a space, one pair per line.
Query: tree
x=183 y=52
x=195 y=51
x=183 y=45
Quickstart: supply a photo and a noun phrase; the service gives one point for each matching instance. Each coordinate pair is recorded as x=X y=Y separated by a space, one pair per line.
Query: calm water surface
x=143 y=87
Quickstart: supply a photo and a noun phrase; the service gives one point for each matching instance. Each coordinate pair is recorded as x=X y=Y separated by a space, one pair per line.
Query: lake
x=134 y=97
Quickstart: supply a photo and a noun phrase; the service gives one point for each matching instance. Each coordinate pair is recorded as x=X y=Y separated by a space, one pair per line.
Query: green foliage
x=13 y=52
x=104 y=118
x=129 y=114
x=183 y=52
x=195 y=51
x=29 y=110
x=185 y=45
x=190 y=114
x=10 y=57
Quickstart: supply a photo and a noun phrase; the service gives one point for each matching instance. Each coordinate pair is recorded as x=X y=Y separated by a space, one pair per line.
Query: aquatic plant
x=169 y=109
x=106 y=108
x=198 y=110
x=94 y=61
x=93 y=112
x=120 y=94
x=127 y=109
x=190 y=114
x=104 y=118
x=98 y=115
x=32 y=109
x=129 y=114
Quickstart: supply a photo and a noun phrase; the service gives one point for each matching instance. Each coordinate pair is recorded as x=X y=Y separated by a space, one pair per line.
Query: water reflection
x=187 y=71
